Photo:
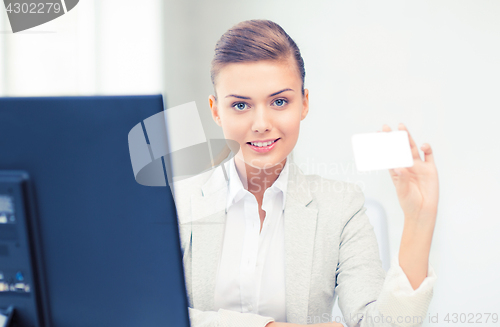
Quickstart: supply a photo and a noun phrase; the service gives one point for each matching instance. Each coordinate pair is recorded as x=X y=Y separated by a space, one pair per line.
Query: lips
x=263 y=145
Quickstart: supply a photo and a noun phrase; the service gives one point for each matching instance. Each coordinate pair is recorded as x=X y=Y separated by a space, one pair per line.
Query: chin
x=262 y=162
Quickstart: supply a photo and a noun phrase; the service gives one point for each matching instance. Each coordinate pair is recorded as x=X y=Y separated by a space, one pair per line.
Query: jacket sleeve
x=226 y=318
x=367 y=295
x=399 y=300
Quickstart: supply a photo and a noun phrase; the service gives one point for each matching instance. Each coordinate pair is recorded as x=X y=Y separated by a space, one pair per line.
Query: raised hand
x=417 y=187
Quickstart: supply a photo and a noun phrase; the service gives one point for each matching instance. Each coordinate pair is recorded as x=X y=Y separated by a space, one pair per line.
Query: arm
x=367 y=297
x=417 y=188
x=414 y=250
x=359 y=275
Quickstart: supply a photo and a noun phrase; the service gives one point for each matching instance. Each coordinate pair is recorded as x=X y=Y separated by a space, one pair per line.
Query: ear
x=215 y=111
x=305 y=104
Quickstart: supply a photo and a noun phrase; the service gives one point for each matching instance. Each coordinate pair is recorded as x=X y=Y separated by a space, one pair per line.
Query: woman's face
x=260 y=105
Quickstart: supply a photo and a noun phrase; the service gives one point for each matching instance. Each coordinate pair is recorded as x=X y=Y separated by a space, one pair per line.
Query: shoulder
x=185 y=186
x=346 y=197
x=184 y=189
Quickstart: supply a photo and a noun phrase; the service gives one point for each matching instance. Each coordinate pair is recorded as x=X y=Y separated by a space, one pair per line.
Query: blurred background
x=433 y=65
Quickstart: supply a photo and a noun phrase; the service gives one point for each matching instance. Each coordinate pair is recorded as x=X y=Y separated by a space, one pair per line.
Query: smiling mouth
x=262 y=144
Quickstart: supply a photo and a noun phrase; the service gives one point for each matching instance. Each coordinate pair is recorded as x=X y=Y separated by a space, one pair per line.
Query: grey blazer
x=330 y=250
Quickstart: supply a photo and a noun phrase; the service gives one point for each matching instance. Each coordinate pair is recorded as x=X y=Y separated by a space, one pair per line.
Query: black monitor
x=81 y=242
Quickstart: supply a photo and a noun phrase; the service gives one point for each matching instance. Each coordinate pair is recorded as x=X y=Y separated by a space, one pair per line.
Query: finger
x=400 y=177
x=428 y=155
x=413 y=145
x=396 y=173
x=386 y=128
x=400 y=171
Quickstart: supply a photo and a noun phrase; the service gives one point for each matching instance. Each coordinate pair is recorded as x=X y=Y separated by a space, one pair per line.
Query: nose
x=262 y=120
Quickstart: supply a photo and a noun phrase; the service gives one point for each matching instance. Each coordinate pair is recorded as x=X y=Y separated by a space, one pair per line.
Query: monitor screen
x=81 y=242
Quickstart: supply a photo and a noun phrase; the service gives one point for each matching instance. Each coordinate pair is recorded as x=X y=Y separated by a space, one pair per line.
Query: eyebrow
x=248 y=98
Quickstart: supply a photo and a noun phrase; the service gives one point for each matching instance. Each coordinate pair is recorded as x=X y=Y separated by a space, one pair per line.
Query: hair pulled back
x=255 y=40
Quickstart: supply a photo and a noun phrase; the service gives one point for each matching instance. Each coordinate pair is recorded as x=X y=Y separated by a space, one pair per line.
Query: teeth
x=262 y=144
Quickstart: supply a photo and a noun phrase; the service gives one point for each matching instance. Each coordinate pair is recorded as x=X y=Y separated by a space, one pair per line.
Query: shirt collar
x=236 y=190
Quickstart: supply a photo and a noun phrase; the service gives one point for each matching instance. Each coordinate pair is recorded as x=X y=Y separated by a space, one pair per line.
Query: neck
x=257 y=180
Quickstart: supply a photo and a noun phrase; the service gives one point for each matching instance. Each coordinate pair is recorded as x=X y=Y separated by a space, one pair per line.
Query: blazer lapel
x=209 y=215
x=300 y=231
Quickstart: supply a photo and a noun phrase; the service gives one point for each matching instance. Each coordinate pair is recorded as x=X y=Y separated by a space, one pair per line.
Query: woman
x=264 y=244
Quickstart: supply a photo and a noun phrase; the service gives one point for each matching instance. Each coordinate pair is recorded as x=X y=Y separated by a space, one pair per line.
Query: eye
x=239 y=106
x=280 y=102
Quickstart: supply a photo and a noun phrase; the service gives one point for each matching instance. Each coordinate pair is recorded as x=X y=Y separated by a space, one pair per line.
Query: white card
x=384 y=150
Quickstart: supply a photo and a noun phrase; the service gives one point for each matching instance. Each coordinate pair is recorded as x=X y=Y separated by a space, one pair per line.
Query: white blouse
x=251 y=273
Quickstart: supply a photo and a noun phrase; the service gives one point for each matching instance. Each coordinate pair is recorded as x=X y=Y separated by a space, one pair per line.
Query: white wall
x=433 y=65
x=99 y=47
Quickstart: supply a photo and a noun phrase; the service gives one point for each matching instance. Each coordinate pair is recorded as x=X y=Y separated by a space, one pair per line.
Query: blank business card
x=384 y=150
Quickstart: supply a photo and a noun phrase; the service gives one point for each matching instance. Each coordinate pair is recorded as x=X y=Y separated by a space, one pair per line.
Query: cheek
x=234 y=129
x=290 y=126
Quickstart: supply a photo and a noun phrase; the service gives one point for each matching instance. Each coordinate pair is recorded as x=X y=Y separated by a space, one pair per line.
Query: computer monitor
x=81 y=242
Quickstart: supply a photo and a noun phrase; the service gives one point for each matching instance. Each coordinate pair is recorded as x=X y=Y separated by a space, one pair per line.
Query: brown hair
x=255 y=40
